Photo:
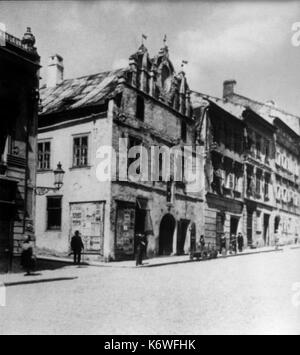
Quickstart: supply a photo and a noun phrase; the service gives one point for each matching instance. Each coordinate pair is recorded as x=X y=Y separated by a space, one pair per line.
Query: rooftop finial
x=144 y=37
x=183 y=63
x=165 y=40
x=28 y=38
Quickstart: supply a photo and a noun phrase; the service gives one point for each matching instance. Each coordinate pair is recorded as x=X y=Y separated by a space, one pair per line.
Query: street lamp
x=59 y=176
x=58 y=182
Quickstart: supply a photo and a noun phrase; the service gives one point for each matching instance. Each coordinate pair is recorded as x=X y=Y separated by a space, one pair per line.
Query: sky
x=246 y=41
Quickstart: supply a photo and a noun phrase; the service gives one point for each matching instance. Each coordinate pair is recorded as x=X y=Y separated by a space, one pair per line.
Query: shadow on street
x=28 y=282
x=41 y=265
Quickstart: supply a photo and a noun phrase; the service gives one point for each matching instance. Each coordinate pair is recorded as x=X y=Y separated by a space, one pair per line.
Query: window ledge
x=80 y=167
x=44 y=171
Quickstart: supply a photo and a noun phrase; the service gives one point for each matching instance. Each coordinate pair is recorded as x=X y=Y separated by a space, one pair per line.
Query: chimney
x=55 y=74
x=228 y=88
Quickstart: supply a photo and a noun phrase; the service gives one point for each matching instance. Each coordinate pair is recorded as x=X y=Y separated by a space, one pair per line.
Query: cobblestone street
x=248 y=294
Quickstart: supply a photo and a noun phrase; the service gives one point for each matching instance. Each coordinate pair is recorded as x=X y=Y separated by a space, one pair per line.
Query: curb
x=112 y=265
x=219 y=257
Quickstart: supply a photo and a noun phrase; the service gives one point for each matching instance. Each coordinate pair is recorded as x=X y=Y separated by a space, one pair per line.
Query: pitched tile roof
x=235 y=104
x=199 y=99
x=79 y=92
x=268 y=111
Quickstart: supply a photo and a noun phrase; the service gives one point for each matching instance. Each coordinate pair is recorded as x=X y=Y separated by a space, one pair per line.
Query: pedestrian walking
x=240 y=241
x=233 y=244
x=141 y=244
x=77 y=247
x=223 y=244
x=27 y=256
x=202 y=242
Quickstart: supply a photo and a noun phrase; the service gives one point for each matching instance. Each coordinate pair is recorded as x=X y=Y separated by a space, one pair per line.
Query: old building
x=251 y=168
x=19 y=80
x=259 y=197
x=147 y=105
x=285 y=219
x=287 y=183
x=223 y=130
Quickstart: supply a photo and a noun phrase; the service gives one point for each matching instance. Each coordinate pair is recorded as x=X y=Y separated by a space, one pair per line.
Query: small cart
x=205 y=252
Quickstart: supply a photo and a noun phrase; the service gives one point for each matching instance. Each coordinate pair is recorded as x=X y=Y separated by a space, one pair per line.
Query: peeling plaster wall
x=160 y=127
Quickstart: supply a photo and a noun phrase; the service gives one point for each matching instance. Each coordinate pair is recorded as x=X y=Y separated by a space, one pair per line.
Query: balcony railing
x=8 y=38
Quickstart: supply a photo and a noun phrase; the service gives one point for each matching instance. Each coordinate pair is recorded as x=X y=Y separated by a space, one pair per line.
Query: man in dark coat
x=202 y=242
x=77 y=247
x=141 y=244
x=223 y=243
x=27 y=256
x=240 y=242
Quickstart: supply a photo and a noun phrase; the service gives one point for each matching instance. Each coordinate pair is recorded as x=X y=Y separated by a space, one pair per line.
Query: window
x=54 y=213
x=160 y=160
x=183 y=131
x=118 y=99
x=258 y=147
x=278 y=193
x=238 y=184
x=80 y=151
x=267 y=151
x=258 y=184
x=278 y=158
x=44 y=154
x=251 y=143
x=140 y=108
x=284 y=195
x=267 y=182
x=230 y=181
x=134 y=142
x=283 y=161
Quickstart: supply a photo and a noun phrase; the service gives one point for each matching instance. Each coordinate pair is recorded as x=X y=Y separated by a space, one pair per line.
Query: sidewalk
x=50 y=274
x=158 y=261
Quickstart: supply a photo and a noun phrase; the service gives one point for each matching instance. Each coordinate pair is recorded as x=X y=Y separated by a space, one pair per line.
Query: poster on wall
x=125 y=230
x=88 y=219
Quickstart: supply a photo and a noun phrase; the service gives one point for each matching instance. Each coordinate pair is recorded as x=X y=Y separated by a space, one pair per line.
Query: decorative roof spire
x=183 y=63
x=28 y=38
x=144 y=37
x=165 y=40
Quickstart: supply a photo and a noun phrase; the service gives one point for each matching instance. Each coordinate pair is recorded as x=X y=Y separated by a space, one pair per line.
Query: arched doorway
x=166 y=232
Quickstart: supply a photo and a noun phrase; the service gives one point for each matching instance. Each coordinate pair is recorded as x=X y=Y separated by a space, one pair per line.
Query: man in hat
x=223 y=243
x=141 y=244
x=27 y=256
x=77 y=247
x=240 y=241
